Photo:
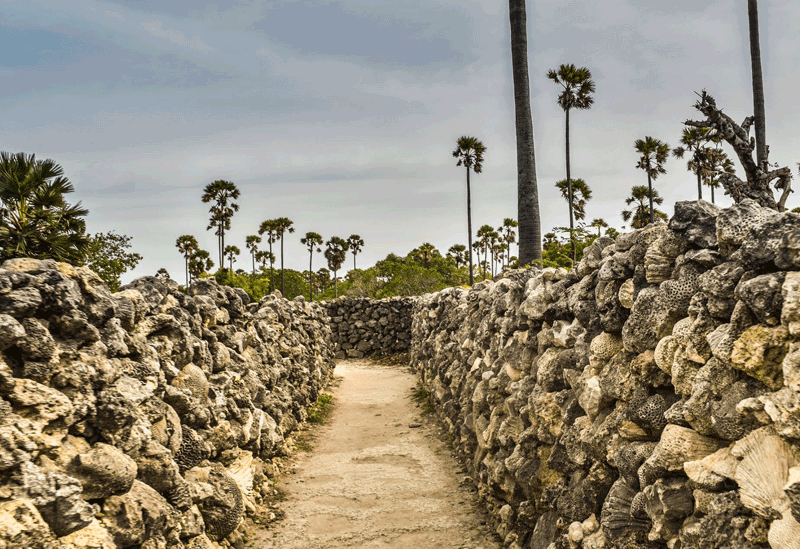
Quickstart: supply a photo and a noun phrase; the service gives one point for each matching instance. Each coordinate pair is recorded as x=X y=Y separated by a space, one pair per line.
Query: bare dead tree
x=759 y=177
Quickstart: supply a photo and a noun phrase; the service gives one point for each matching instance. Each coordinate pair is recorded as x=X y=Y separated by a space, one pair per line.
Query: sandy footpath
x=376 y=477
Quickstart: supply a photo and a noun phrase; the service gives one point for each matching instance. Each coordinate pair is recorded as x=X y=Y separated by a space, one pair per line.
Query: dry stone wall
x=362 y=326
x=647 y=400
x=146 y=418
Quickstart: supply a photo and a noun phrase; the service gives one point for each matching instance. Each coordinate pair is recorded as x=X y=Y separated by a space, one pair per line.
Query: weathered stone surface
x=106 y=400
x=696 y=221
x=697 y=347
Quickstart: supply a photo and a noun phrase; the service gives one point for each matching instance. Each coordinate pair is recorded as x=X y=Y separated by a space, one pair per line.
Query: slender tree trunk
x=569 y=188
x=335 y=284
x=530 y=230
x=712 y=194
x=310 y=275
x=650 y=185
x=758 y=85
x=187 y=270
x=283 y=289
x=271 y=267
x=354 y=262
x=222 y=246
x=699 y=187
x=469 y=229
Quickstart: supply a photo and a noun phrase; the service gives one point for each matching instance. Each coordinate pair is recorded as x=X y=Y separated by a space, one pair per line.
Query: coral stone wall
x=362 y=326
x=144 y=418
x=648 y=399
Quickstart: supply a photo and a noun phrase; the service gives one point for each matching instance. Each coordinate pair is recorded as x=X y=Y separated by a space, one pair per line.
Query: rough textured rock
x=362 y=327
x=676 y=396
x=107 y=400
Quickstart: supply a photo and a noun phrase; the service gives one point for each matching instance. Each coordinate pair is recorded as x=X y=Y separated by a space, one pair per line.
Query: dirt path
x=375 y=477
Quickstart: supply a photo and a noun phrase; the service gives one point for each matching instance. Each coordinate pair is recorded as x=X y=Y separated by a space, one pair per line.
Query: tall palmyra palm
x=270 y=228
x=694 y=140
x=313 y=241
x=759 y=112
x=263 y=257
x=252 y=243
x=641 y=215
x=654 y=153
x=35 y=220
x=283 y=225
x=187 y=246
x=458 y=252
x=578 y=88
x=356 y=243
x=581 y=194
x=336 y=253
x=530 y=228
x=230 y=253
x=469 y=152
x=600 y=223
x=222 y=193
x=714 y=163
x=509 y=236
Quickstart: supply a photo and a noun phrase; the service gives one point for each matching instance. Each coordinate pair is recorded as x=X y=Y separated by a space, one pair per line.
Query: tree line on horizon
x=221 y=194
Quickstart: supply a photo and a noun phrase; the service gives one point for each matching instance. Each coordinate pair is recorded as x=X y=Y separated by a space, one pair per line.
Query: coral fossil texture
x=147 y=417
x=649 y=398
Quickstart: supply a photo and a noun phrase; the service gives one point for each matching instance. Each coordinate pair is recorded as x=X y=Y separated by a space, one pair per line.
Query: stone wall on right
x=650 y=398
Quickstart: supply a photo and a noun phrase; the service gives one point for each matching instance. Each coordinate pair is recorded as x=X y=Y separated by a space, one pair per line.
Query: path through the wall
x=377 y=476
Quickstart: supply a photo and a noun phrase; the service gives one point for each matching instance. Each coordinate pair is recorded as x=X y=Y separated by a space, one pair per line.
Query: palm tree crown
x=35 y=220
x=355 y=243
x=640 y=215
x=581 y=193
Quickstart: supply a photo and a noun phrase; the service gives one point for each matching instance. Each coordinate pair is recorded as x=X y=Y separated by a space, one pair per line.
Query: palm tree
x=270 y=227
x=263 y=257
x=654 y=153
x=336 y=253
x=252 y=242
x=530 y=228
x=458 y=252
x=577 y=94
x=600 y=223
x=222 y=193
x=758 y=85
x=640 y=214
x=35 y=220
x=713 y=164
x=469 y=152
x=323 y=278
x=694 y=140
x=485 y=237
x=187 y=245
x=581 y=194
x=282 y=226
x=200 y=263
x=509 y=236
x=312 y=241
x=477 y=246
x=424 y=253
x=356 y=243
x=230 y=252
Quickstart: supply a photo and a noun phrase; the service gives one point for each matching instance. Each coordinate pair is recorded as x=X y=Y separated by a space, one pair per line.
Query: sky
x=343 y=115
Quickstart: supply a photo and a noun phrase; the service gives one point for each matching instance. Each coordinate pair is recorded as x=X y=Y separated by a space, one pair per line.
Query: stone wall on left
x=144 y=418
